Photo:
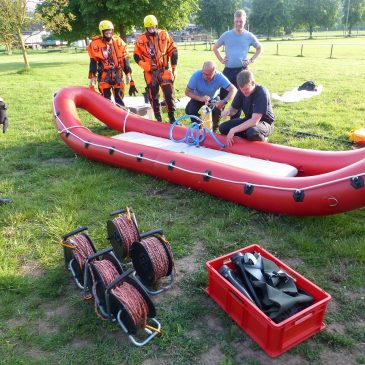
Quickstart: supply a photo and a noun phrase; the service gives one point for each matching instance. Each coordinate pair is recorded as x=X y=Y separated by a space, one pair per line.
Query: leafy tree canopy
x=218 y=14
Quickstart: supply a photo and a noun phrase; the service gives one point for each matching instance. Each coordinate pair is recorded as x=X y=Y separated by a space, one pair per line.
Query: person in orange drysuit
x=108 y=59
x=152 y=52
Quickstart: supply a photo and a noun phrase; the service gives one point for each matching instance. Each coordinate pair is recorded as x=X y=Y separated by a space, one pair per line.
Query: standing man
x=203 y=88
x=152 y=52
x=237 y=43
x=108 y=59
x=255 y=102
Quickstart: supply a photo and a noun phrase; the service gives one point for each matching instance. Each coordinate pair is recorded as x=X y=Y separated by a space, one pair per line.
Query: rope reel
x=120 y=297
x=122 y=232
x=77 y=247
x=103 y=271
x=153 y=260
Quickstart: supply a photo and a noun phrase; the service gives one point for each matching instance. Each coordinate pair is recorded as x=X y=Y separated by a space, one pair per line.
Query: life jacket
x=156 y=49
x=110 y=54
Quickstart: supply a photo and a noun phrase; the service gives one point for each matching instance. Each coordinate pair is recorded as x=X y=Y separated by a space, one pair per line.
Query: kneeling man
x=203 y=87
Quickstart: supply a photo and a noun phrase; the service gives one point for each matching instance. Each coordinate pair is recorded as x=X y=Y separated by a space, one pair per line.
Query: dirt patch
x=165 y=192
x=47 y=328
x=153 y=362
x=191 y=263
x=213 y=356
x=245 y=353
x=56 y=310
x=31 y=268
x=79 y=343
x=338 y=358
x=36 y=354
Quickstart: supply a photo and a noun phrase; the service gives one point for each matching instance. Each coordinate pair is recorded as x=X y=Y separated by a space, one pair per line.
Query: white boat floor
x=243 y=162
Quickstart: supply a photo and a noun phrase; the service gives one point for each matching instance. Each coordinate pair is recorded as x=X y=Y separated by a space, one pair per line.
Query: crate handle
x=300 y=320
x=237 y=297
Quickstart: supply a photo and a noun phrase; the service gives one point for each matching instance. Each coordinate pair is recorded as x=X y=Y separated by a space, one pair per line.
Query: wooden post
x=277 y=49
x=331 y=50
x=301 y=50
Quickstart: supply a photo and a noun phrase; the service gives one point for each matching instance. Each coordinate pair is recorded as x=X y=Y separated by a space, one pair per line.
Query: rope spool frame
x=146 y=265
x=122 y=231
x=80 y=275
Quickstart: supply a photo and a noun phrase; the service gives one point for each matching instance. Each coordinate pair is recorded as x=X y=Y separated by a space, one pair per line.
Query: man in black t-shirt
x=254 y=101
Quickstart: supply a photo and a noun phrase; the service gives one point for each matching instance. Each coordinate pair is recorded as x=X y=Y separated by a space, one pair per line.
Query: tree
x=311 y=13
x=218 y=14
x=55 y=15
x=269 y=16
x=14 y=18
x=124 y=14
x=353 y=13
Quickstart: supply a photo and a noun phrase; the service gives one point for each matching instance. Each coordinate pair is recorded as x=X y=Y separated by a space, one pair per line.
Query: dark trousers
x=258 y=133
x=193 y=107
x=231 y=74
x=118 y=94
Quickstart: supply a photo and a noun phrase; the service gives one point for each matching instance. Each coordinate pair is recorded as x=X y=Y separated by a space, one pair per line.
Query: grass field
x=43 y=319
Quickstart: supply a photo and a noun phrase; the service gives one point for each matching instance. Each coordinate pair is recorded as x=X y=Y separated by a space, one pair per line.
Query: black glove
x=3 y=117
x=132 y=89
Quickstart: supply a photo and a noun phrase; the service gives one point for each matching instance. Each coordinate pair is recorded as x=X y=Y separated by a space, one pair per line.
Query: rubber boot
x=171 y=117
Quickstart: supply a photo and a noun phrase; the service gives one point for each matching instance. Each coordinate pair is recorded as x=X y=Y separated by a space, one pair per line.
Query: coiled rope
x=81 y=247
x=158 y=256
x=125 y=293
x=127 y=231
x=195 y=133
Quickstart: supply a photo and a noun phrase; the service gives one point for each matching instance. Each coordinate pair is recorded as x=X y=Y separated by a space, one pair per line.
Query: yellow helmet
x=150 y=21
x=104 y=25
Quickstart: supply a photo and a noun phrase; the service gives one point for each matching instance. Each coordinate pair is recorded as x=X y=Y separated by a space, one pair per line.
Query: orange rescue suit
x=108 y=60
x=152 y=52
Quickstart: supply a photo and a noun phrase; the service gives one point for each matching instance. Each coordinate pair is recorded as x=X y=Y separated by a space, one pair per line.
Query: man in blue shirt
x=203 y=87
x=254 y=101
x=237 y=43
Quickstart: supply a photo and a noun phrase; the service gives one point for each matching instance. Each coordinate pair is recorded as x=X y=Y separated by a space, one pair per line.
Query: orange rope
x=127 y=230
x=158 y=256
x=82 y=248
x=133 y=302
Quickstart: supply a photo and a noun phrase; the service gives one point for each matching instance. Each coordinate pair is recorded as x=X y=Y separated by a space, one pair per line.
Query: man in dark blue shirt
x=254 y=101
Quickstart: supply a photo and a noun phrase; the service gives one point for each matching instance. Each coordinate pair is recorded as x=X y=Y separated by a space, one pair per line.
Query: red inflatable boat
x=264 y=176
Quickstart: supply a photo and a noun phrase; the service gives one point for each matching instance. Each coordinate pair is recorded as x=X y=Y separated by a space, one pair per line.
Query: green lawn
x=43 y=319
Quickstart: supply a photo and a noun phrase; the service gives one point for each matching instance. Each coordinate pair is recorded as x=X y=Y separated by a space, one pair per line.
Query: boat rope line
x=207 y=175
x=73 y=127
x=195 y=133
x=125 y=120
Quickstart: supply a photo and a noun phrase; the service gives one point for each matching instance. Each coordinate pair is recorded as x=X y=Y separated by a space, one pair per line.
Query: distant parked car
x=52 y=43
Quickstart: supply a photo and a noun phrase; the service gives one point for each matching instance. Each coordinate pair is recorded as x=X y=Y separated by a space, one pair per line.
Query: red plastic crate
x=273 y=338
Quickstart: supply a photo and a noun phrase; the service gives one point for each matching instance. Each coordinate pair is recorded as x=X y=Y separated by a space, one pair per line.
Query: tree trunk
x=24 y=51
x=123 y=33
x=9 y=48
x=311 y=32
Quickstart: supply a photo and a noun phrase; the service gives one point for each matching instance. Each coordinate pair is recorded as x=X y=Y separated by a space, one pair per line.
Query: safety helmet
x=104 y=25
x=150 y=21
